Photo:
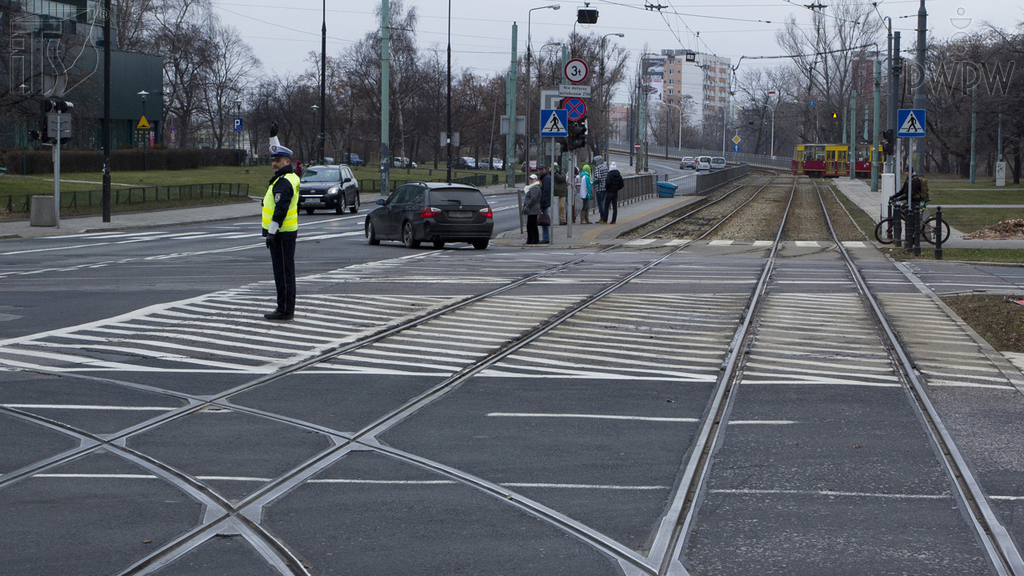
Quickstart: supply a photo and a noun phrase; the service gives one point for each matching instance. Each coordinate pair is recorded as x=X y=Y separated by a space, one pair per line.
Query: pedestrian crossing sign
x=910 y=123
x=553 y=123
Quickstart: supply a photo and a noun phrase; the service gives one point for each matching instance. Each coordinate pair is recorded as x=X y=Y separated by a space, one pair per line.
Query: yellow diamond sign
x=143 y=124
x=735 y=139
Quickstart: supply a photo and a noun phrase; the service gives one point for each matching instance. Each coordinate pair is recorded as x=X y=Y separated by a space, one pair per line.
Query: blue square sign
x=554 y=123
x=910 y=123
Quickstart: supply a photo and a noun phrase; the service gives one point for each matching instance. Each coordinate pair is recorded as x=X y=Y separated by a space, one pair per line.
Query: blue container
x=666 y=190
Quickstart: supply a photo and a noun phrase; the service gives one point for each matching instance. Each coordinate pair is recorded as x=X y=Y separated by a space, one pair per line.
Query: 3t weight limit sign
x=576 y=70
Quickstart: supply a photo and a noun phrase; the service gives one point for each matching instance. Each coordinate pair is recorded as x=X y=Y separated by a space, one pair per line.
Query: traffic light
x=577 y=134
x=887 y=142
x=60 y=106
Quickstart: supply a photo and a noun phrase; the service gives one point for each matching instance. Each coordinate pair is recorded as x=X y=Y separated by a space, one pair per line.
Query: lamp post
x=679 y=137
x=772 y=108
x=315 y=108
x=601 y=94
x=529 y=84
x=143 y=94
x=323 y=85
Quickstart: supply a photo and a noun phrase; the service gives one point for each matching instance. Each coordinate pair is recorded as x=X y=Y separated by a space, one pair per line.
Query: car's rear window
x=468 y=197
x=718 y=160
x=321 y=175
x=705 y=159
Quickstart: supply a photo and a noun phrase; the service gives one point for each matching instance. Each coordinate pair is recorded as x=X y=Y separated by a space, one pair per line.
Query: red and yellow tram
x=832 y=160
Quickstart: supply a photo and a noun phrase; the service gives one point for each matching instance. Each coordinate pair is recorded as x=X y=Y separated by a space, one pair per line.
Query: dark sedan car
x=331 y=187
x=432 y=212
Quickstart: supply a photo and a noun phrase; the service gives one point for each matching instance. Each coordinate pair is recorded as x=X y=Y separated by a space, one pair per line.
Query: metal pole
x=106 y=110
x=890 y=108
x=385 y=95
x=56 y=172
x=773 y=132
x=853 y=135
x=510 y=111
x=974 y=128
x=920 y=95
x=448 y=92
x=323 y=85
x=875 y=136
x=529 y=93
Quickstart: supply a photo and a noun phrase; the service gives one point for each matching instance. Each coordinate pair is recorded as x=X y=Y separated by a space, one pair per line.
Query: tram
x=831 y=160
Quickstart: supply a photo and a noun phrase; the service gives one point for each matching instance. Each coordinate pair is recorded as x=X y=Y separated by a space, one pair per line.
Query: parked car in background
x=329 y=187
x=533 y=167
x=432 y=212
x=687 y=163
x=717 y=163
x=703 y=163
x=402 y=162
x=353 y=159
x=467 y=163
x=497 y=164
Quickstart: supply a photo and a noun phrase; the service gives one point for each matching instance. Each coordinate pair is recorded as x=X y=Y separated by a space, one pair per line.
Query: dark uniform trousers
x=282 y=255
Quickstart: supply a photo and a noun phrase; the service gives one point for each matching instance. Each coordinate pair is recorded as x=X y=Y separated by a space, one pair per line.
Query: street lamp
x=772 y=108
x=143 y=94
x=601 y=94
x=529 y=92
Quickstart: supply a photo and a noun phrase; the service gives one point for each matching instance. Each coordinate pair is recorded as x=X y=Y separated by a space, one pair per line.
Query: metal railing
x=759 y=160
x=21 y=203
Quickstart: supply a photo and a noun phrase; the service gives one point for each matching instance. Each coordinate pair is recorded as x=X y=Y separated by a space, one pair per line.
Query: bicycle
x=929 y=226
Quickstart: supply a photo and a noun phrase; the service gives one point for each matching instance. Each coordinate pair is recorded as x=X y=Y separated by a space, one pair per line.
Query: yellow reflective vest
x=291 y=218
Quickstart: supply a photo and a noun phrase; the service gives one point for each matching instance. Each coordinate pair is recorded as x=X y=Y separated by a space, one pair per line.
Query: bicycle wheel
x=930 y=229
x=883 y=232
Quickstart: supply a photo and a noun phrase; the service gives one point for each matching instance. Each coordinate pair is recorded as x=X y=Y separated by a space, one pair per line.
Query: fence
x=21 y=203
x=759 y=160
x=473 y=179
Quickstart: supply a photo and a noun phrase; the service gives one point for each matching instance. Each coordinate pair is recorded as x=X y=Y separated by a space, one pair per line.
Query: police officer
x=281 y=226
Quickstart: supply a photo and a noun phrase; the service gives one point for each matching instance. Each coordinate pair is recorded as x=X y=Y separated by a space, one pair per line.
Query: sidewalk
x=860 y=193
x=631 y=216
x=20 y=228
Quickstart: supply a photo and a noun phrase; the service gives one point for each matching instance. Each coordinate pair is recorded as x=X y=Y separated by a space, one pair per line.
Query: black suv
x=434 y=212
x=331 y=187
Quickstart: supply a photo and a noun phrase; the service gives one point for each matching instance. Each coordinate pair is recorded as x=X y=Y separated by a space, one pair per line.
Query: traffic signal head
x=887 y=142
x=57 y=106
x=577 y=137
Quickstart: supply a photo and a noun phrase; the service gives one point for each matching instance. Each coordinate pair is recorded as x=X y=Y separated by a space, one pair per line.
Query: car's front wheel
x=339 y=208
x=409 y=236
x=371 y=234
x=354 y=207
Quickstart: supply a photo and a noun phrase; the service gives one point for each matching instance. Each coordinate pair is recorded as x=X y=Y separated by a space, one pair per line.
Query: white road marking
x=88 y=407
x=836 y=493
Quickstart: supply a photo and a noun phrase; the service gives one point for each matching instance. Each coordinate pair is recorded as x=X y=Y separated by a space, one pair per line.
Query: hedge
x=41 y=161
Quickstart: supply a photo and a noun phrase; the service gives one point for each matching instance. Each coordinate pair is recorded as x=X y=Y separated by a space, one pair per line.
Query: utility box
x=886 y=190
x=42 y=211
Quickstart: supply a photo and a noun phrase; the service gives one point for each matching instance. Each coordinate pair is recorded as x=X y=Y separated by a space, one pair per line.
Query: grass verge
x=997 y=319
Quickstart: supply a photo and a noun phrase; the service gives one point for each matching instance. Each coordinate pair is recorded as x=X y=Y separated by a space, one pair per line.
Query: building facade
x=55 y=52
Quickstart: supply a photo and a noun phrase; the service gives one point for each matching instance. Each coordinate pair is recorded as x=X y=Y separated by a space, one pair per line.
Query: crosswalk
x=222 y=332
x=674 y=337
x=805 y=339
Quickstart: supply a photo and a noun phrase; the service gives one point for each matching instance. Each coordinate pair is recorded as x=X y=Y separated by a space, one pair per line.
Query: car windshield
x=453 y=196
x=321 y=175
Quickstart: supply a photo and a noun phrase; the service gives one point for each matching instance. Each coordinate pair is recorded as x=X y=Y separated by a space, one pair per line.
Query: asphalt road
x=150 y=415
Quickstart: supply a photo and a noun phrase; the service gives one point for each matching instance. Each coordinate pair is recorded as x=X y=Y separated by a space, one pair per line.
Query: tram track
x=223 y=512
x=244 y=517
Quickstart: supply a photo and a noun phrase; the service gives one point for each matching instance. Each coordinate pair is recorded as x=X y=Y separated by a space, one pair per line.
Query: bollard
x=897 y=225
x=916 y=230
x=938 y=232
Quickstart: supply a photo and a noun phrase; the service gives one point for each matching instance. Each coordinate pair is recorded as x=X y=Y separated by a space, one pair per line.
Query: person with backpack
x=918 y=190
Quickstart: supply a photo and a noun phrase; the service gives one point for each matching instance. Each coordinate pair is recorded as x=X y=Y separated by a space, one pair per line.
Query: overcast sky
x=282 y=34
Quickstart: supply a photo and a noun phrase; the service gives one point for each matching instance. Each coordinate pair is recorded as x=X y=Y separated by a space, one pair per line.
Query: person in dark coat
x=545 y=203
x=613 y=183
x=531 y=207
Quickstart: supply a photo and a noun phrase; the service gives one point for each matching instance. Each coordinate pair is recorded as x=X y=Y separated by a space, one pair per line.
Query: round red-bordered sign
x=576 y=70
x=576 y=108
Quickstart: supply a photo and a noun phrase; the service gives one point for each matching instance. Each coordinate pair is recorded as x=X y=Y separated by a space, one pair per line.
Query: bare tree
x=231 y=62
